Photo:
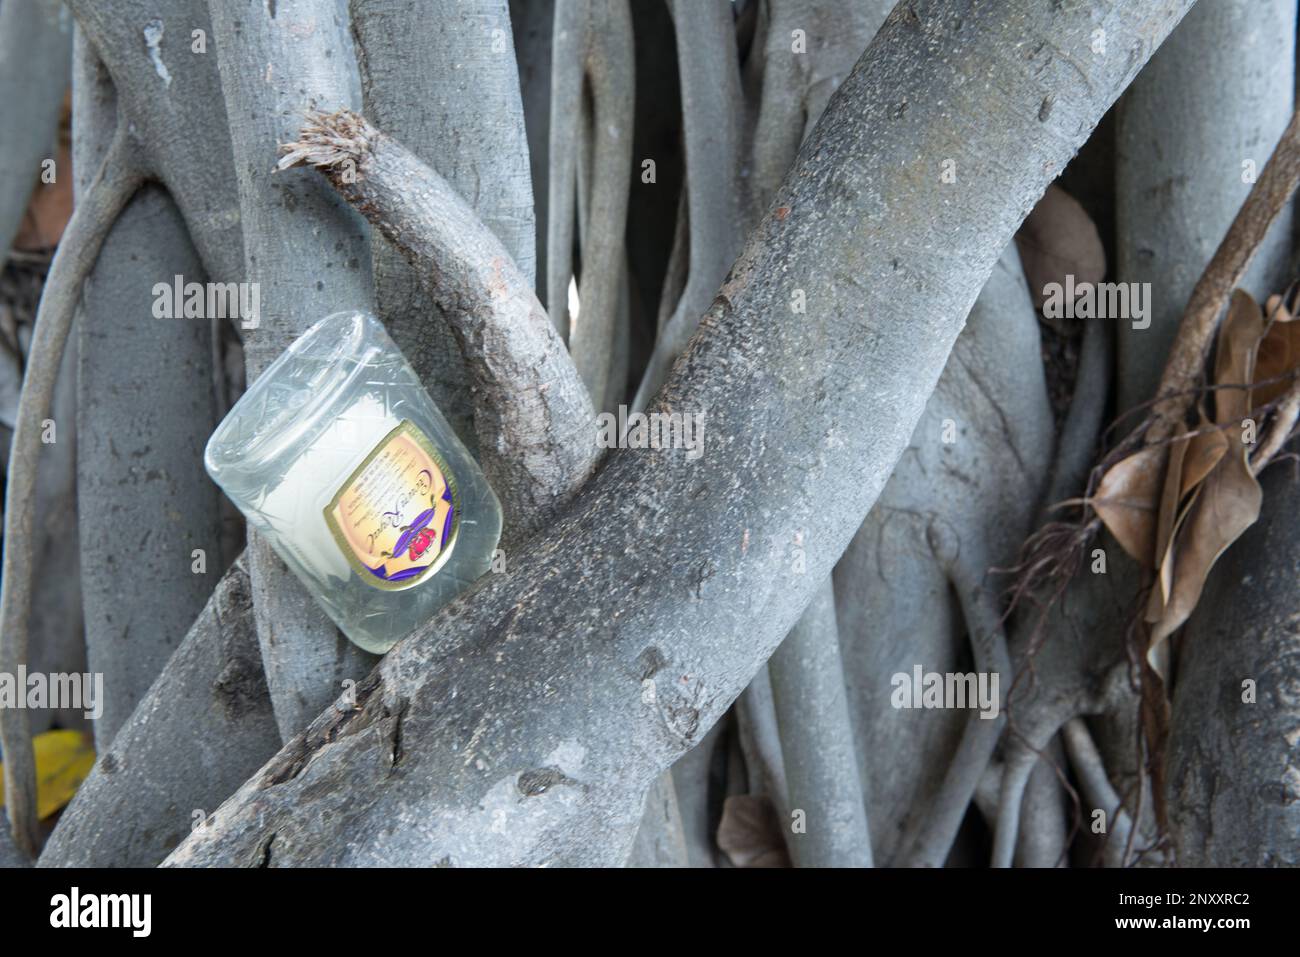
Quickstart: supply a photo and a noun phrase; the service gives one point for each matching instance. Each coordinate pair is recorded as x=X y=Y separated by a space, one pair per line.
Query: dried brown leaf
x=750 y=832
x=1278 y=356
x=1170 y=496
x=1058 y=238
x=1127 y=501
x=1227 y=504
x=1234 y=360
x=1207 y=446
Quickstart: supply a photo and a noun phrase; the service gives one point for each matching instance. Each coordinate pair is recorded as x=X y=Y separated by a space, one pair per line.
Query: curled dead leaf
x=750 y=832
x=1057 y=239
x=1234 y=360
x=1127 y=501
x=1227 y=504
x=1277 y=359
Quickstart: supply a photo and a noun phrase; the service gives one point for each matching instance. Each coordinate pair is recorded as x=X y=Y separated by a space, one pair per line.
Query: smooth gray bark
x=35 y=55
x=147 y=502
x=454 y=60
x=812 y=716
x=532 y=22
x=115 y=183
x=308 y=251
x=659 y=840
x=1217 y=96
x=141 y=426
x=711 y=121
x=172 y=96
x=204 y=726
x=571 y=683
x=915 y=581
x=592 y=46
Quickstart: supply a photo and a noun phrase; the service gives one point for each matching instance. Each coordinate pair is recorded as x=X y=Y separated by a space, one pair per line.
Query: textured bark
x=307 y=251
x=1218 y=93
x=204 y=726
x=950 y=512
x=115 y=183
x=659 y=840
x=453 y=59
x=532 y=21
x=1233 y=775
x=534 y=421
x=173 y=98
x=140 y=460
x=711 y=111
x=571 y=683
x=593 y=44
x=35 y=60
x=812 y=714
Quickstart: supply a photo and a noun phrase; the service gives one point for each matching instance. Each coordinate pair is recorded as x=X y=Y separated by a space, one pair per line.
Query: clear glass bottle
x=339 y=457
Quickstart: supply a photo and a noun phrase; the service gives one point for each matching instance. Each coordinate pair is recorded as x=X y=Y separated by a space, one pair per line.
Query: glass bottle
x=339 y=457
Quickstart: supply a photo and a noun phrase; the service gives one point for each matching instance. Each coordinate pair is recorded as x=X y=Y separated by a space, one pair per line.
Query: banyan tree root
x=536 y=426
x=117 y=180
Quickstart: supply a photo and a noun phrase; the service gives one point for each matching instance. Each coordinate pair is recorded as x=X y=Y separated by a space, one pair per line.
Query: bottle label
x=397 y=515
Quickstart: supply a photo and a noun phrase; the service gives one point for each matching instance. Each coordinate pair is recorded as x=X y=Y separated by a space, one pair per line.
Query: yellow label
x=397 y=515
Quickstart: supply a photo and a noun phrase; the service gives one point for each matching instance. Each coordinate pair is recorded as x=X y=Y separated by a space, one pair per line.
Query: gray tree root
x=1097 y=790
x=957 y=505
x=35 y=50
x=1044 y=828
x=142 y=425
x=307 y=250
x=535 y=423
x=453 y=58
x=533 y=22
x=1217 y=96
x=204 y=726
x=660 y=840
x=172 y=95
x=115 y=183
x=35 y=60
x=593 y=41
x=526 y=722
x=812 y=715
x=787 y=110
x=711 y=111
x=794 y=84
x=1232 y=768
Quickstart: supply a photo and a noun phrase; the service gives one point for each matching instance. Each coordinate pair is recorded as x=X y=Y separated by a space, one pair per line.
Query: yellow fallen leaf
x=63 y=759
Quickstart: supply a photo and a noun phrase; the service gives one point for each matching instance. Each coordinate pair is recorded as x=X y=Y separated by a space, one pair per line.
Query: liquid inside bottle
x=339 y=457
